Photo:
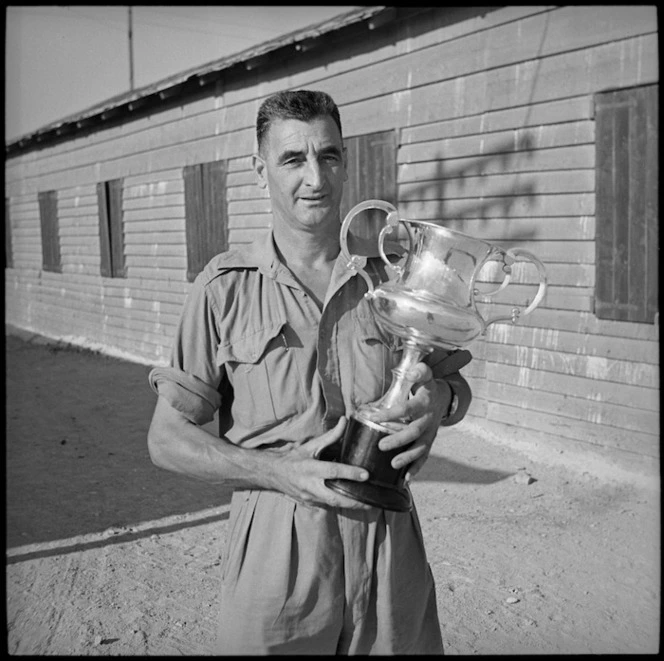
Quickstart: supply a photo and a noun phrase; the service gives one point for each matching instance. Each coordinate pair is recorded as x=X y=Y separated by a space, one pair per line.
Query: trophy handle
x=393 y=221
x=358 y=262
x=510 y=257
x=496 y=254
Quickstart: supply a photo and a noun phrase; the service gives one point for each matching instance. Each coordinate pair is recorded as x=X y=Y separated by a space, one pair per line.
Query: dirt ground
x=108 y=555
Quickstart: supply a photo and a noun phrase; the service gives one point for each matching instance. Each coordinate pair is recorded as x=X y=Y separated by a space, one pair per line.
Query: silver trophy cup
x=428 y=301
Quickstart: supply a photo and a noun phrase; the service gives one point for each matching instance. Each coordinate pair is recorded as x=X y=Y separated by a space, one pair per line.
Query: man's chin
x=317 y=217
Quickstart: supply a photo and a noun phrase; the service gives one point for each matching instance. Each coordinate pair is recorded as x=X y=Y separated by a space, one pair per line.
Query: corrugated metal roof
x=102 y=111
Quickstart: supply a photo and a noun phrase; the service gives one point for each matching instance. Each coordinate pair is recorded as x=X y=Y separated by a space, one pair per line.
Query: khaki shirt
x=252 y=343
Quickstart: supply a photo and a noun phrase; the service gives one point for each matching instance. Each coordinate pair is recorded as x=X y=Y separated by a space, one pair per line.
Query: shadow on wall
x=469 y=191
x=77 y=458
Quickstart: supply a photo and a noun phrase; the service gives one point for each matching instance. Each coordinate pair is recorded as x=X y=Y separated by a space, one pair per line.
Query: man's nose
x=313 y=174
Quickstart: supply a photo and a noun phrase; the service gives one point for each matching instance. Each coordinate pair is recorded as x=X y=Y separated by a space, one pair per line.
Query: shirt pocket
x=264 y=375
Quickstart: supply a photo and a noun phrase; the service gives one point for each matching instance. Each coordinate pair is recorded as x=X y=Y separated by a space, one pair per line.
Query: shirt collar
x=262 y=254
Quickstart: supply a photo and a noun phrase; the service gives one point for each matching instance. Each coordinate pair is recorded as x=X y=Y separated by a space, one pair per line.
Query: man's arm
x=445 y=367
x=179 y=445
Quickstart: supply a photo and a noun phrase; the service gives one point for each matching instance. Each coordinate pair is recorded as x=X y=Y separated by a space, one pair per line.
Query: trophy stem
x=397 y=394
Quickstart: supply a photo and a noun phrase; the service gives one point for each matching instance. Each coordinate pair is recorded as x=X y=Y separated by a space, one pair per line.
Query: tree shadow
x=487 y=202
x=458 y=190
x=441 y=469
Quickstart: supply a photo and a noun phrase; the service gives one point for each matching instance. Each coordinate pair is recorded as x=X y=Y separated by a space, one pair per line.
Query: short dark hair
x=304 y=105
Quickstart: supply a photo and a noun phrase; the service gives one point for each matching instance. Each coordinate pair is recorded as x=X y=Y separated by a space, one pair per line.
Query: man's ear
x=259 y=168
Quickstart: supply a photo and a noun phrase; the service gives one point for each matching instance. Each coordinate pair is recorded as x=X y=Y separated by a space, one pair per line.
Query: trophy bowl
x=428 y=301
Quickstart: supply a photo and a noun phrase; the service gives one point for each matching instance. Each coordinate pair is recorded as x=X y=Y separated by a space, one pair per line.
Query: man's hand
x=430 y=401
x=298 y=473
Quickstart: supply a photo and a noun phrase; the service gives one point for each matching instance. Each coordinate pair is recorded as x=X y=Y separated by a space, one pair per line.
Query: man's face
x=304 y=167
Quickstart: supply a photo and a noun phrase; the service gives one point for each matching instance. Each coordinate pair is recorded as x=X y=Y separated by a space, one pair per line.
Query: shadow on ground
x=76 y=456
x=76 y=545
x=440 y=469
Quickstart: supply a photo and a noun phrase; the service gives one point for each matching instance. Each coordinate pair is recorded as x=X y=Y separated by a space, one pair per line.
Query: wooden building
x=526 y=126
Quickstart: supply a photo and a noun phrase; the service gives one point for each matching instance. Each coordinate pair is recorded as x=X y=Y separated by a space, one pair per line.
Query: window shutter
x=372 y=174
x=352 y=191
x=48 y=216
x=193 y=202
x=9 y=253
x=216 y=221
x=627 y=204
x=106 y=265
x=114 y=201
x=206 y=214
x=650 y=192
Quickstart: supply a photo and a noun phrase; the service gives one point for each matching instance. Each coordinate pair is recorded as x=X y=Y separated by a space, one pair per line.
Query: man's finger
x=338 y=471
x=409 y=456
x=420 y=373
x=412 y=432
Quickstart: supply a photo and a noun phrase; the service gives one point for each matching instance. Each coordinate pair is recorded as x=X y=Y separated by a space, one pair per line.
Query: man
x=279 y=338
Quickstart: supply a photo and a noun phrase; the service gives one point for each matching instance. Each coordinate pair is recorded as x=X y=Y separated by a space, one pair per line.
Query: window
x=111 y=237
x=9 y=253
x=372 y=175
x=206 y=214
x=48 y=216
x=627 y=204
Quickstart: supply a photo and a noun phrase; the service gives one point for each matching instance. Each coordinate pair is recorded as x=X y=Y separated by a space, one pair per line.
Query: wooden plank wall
x=494 y=112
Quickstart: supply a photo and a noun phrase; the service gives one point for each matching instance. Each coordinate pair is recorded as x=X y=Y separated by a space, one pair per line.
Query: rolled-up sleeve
x=186 y=393
x=191 y=383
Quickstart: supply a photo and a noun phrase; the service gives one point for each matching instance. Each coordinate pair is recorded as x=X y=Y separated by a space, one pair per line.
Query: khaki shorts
x=312 y=580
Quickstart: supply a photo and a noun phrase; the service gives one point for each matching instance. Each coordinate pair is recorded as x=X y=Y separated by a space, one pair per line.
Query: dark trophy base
x=386 y=486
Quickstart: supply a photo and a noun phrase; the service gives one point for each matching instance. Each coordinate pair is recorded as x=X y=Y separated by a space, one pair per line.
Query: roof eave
x=209 y=73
